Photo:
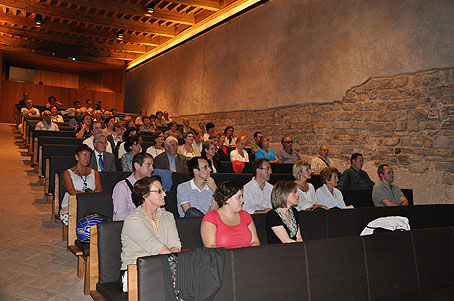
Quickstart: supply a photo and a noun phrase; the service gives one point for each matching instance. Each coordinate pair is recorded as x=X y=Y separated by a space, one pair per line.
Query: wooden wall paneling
x=107 y=81
x=57 y=79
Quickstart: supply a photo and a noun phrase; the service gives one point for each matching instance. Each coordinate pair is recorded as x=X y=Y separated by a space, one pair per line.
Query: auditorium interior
x=369 y=77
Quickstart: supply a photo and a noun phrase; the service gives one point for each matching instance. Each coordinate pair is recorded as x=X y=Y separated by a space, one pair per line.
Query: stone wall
x=406 y=121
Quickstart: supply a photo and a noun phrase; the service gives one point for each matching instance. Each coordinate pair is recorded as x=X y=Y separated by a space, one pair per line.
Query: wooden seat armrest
x=72 y=220
x=75 y=250
x=133 y=292
x=94 y=259
x=56 y=200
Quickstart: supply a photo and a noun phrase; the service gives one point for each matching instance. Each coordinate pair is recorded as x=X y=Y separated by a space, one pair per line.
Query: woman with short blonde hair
x=306 y=191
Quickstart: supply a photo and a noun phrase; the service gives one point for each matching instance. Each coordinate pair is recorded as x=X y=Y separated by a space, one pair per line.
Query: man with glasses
x=169 y=159
x=46 y=124
x=386 y=194
x=142 y=165
x=195 y=197
x=321 y=161
x=100 y=159
x=287 y=154
x=97 y=129
x=257 y=192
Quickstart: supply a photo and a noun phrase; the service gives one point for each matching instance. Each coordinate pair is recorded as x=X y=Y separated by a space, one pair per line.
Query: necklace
x=156 y=225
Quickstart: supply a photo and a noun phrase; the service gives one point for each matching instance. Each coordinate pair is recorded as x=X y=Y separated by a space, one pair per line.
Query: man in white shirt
x=28 y=110
x=195 y=197
x=97 y=129
x=100 y=159
x=46 y=124
x=257 y=192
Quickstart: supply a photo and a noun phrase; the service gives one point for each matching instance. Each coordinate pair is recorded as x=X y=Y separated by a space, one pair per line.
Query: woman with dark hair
x=129 y=133
x=328 y=195
x=265 y=151
x=173 y=131
x=159 y=121
x=209 y=154
x=52 y=101
x=79 y=179
x=228 y=226
x=149 y=229
x=158 y=146
x=110 y=126
x=230 y=140
x=282 y=221
x=146 y=126
x=133 y=146
x=83 y=129
x=188 y=149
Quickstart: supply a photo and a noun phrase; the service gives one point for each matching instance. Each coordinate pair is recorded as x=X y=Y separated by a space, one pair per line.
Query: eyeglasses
x=265 y=168
x=288 y=142
x=100 y=142
x=159 y=191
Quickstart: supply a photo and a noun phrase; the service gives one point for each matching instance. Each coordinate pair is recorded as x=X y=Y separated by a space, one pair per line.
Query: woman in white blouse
x=158 y=147
x=188 y=149
x=239 y=154
x=306 y=191
x=328 y=194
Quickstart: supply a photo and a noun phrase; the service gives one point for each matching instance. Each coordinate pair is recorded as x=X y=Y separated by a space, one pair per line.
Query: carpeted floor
x=34 y=262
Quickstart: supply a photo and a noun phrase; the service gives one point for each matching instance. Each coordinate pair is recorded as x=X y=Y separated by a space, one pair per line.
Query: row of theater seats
x=336 y=264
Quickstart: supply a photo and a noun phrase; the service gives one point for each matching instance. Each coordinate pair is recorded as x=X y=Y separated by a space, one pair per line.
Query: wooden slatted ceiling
x=89 y=29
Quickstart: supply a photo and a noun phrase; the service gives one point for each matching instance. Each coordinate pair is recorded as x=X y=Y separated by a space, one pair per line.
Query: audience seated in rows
x=97 y=129
x=78 y=115
x=54 y=116
x=142 y=165
x=101 y=160
x=209 y=153
x=79 y=179
x=170 y=159
x=282 y=224
x=173 y=131
x=321 y=161
x=27 y=111
x=239 y=154
x=159 y=121
x=165 y=116
x=265 y=151
x=147 y=126
x=139 y=120
x=148 y=229
x=71 y=112
x=230 y=140
x=195 y=197
x=116 y=138
x=287 y=154
x=228 y=226
x=46 y=124
x=188 y=150
x=385 y=193
x=130 y=133
x=306 y=191
x=257 y=192
x=133 y=146
x=88 y=106
x=355 y=177
x=328 y=195
x=210 y=131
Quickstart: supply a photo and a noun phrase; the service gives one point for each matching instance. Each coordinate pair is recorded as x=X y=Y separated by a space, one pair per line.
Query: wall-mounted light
x=150 y=8
x=121 y=33
x=38 y=19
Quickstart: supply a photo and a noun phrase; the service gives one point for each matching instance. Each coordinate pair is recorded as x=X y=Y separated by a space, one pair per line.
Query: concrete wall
x=288 y=52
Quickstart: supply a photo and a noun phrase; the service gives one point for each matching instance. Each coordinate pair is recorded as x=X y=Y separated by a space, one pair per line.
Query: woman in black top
x=282 y=221
x=209 y=154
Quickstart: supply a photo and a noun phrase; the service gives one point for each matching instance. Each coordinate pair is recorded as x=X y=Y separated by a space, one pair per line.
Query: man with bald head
x=77 y=118
x=321 y=161
x=46 y=124
x=186 y=128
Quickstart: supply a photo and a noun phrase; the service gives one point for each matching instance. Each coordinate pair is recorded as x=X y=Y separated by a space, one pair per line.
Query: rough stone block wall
x=406 y=121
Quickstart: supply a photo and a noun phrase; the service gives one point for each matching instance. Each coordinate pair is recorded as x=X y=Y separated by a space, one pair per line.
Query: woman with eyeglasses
x=79 y=179
x=228 y=226
x=158 y=147
x=265 y=151
x=133 y=146
x=282 y=224
x=149 y=229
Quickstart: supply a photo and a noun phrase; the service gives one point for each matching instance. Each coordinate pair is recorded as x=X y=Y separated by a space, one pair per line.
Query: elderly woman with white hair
x=170 y=159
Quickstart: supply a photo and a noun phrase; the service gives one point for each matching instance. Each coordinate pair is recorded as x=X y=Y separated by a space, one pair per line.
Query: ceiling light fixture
x=38 y=19
x=121 y=33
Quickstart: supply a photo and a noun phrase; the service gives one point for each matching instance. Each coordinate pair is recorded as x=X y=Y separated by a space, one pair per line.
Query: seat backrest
x=171 y=202
x=36 y=134
x=227 y=166
x=110 y=178
x=313 y=224
x=441 y=215
x=280 y=177
x=260 y=226
x=341 y=223
x=284 y=168
x=55 y=150
x=150 y=278
x=408 y=193
x=58 y=164
x=391 y=265
x=189 y=232
x=358 y=197
x=89 y=203
x=109 y=251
